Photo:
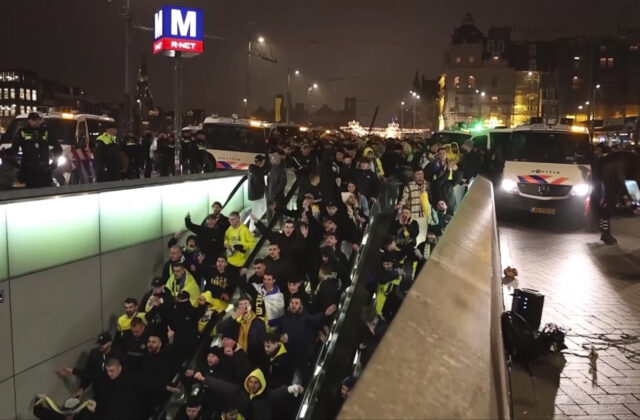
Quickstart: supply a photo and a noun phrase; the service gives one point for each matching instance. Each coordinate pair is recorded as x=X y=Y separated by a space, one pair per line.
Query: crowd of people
x=262 y=350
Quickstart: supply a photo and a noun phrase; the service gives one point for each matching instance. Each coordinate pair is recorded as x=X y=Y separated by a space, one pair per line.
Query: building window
x=22 y=93
x=6 y=93
x=494 y=99
x=456 y=102
x=533 y=64
x=603 y=48
x=490 y=45
x=22 y=109
x=472 y=82
x=634 y=48
x=496 y=58
x=501 y=45
x=458 y=60
x=456 y=82
x=575 y=83
x=13 y=110
x=533 y=106
x=494 y=82
x=606 y=62
x=28 y=94
x=471 y=59
x=12 y=93
x=33 y=95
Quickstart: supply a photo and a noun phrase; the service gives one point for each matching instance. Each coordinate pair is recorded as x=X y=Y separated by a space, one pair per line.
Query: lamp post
x=309 y=89
x=402 y=116
x=415 y=98
x=295 y=73
x=260 y=41
x=593 y=108
x=245 y=103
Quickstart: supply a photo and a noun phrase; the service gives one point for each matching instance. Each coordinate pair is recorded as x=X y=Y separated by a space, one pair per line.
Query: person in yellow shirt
x=181 y=280
x=130 y=312
x=238 y=241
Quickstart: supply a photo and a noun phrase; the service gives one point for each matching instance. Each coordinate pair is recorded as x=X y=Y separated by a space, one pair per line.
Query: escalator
x=177 y=400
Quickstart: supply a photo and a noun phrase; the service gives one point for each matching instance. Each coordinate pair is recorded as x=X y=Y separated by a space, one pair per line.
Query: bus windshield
x=235 y=138
x=549 y=147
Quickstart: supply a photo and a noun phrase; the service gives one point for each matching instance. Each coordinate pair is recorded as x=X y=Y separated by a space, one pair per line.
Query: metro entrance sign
x=178 y=29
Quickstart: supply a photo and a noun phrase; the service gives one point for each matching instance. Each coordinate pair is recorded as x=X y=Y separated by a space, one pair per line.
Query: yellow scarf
x=245 y=324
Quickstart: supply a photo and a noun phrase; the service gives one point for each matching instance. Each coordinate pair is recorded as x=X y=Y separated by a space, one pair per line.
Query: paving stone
x=621 y=389
x=616 y=399
x=571 y=409
x=605 y=409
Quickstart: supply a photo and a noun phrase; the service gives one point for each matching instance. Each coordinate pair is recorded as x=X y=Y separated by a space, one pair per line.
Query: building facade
x=19 y=93
x=494 y=80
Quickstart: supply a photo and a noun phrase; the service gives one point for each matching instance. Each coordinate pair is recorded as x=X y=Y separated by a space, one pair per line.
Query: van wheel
x=209 y=164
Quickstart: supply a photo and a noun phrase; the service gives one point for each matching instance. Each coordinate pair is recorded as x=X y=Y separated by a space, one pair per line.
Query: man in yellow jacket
x=181 y=280
x=238 y=241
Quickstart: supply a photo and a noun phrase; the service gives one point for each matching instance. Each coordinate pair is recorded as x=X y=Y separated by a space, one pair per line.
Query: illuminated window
x=458 y=60
x=28 y=94
x=634 y=48
x=33 y=95
x=6 y=93
x=575 y=83
x=456 y=82
x=494 y=99
x=496 y=58
x=12 y=93
x=494 y=82
x=472 y=82
x=471 y=59
x=606 y=62
x=13 y=110
x=21 y=93
x=22 y=109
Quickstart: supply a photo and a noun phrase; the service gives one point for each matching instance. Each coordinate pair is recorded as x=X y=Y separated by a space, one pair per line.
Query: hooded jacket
x=279 y=368
x=276 y=180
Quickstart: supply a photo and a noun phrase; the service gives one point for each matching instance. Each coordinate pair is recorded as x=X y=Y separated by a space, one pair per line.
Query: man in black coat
x=94 y=370
x=183 y=320
x=210 y=237
x=159 y=366
x=157 y=304
x=256 y=189
x=118 y=395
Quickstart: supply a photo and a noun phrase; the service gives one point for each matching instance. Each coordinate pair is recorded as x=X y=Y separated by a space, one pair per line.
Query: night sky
x=375 y=46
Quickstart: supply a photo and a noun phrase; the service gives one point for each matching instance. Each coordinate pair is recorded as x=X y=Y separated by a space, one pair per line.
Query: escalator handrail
x=234 y=190
x=385 y=202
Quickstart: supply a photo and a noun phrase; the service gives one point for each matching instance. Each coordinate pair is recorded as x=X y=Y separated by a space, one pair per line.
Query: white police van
x=77 y=135
x=233 y=143
x=547 y=170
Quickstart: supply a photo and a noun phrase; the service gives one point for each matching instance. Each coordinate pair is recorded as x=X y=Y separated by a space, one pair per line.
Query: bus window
x=234 y=138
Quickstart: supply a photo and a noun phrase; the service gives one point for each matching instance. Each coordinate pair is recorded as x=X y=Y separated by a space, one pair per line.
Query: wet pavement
x=593 y=291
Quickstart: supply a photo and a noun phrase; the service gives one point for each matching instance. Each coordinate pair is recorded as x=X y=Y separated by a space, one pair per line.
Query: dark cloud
x=371 y=47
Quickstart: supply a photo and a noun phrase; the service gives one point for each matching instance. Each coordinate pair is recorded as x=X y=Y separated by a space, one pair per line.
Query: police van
x=77 y=135
x=233 y=143
x=547 y=170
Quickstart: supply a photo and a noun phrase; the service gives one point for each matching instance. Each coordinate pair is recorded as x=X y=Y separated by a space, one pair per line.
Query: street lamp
x=289 y=102
x=309 y=89
x=261 y=40
x=415 y=98
x=245 y=103
x=402 y=116
x=593 y=108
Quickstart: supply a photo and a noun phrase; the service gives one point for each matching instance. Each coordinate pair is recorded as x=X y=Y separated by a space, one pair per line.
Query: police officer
x=147 y=140
x=166 y=149
x=35 y=140
x=132 y=150
x=185 y=151
x=199 y=151
x=107 y=156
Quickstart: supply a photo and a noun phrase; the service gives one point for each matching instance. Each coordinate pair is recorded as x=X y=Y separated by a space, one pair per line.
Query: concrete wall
x=100 y=247
x=442 y=357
